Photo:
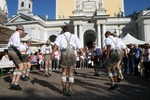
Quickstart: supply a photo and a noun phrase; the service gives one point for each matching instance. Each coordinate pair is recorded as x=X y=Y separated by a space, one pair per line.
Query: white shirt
x=24 y=47
x=46 y=49
x=61 y=41
x=57 y=55
x=15 y=40
x=122 y=44
x=5 y=58
x=116 y=43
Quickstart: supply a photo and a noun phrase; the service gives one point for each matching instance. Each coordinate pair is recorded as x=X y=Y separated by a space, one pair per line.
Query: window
x=22 y=4
x=29 y=5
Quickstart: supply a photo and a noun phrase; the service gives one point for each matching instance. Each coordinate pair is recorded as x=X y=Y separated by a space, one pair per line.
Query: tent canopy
x=5 y=34
x=34 y=42
x=127 y=39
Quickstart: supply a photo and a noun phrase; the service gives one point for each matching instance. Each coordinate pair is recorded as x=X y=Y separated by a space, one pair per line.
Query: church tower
x=25 y=7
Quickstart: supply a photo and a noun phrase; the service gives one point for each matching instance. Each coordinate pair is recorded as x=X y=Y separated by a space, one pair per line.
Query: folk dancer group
x=71 y=43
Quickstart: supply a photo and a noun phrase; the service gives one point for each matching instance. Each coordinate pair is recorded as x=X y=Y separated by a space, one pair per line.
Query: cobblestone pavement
x=86 y=87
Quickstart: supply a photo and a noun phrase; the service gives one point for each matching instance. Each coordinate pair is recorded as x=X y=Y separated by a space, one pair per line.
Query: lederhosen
x=96 y=56
x=25 y=57
x=47 y=55
x=15 y=54
x=114 y=55
x=68 y=57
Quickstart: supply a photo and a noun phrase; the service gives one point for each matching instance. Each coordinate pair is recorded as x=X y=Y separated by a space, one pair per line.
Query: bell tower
x=25 y=7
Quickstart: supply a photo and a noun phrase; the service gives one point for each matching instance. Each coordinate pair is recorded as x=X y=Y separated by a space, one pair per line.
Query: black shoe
x=21 y=78
x=11 y=84
x=27 y=77
x=120 y=79
x=46 y=75
x=69 y=93
x=113 y=87
x=64 y=91
x=15 y=87
x=75 y=73
x=24 y=79
x=96 y=74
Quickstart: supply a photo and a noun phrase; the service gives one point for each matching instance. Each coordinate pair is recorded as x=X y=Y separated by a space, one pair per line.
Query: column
x=81 y=35
x=75 y=30
x=98 y=35
x=103 y=34
x=146 y=32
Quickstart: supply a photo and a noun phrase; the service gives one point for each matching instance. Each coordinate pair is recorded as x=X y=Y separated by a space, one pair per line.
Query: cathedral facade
x=88 y=19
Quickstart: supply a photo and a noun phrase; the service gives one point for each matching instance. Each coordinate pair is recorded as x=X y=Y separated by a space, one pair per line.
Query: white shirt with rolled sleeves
x=15 y=40
x=61 y=41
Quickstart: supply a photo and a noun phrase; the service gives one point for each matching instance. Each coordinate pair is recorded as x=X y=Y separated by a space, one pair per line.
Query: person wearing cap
x=26 y=62
x=68 y=44
x=47 y=50
x=15 y=54
x=97 y=55
x=113 y=47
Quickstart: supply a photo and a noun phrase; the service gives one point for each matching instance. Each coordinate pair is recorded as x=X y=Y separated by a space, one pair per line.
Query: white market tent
x=34 y=42
x=5 y=34
x=127 y=39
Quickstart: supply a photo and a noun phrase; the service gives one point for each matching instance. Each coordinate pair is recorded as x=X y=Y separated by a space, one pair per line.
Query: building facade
x=3 y=11
x=88 y=19
x=65 y=10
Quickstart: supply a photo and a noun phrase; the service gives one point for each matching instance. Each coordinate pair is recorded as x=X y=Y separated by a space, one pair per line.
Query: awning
x=34 y=42
x=5 y=34
x=37 y=42
x=127 y=39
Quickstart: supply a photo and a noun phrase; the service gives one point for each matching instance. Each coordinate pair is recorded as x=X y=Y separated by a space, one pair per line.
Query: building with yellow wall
x=66 y=8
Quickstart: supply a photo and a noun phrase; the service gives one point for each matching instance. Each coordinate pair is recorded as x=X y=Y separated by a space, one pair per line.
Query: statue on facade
x=100 y=4
x=77 y=4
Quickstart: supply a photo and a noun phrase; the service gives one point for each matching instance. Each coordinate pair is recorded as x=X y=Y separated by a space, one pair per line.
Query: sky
x=43 y=7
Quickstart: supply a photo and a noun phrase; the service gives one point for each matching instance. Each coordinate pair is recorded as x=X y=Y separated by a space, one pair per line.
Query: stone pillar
x=146 y=31
x=103 y=34
x=99 y=35
x=75 y=30
x=81 y=35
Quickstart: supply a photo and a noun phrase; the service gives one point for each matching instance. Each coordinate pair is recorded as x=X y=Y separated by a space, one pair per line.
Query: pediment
x=21 y=18
x=147 y=14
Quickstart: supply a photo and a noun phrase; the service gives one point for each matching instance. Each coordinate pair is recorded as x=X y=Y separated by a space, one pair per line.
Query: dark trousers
x=137 y=61
x=147 y=69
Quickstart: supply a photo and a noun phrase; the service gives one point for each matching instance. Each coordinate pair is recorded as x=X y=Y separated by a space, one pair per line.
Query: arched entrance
x=89 y=38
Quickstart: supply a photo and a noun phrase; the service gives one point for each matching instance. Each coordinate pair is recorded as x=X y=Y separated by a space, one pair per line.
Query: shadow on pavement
x=46 y=84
